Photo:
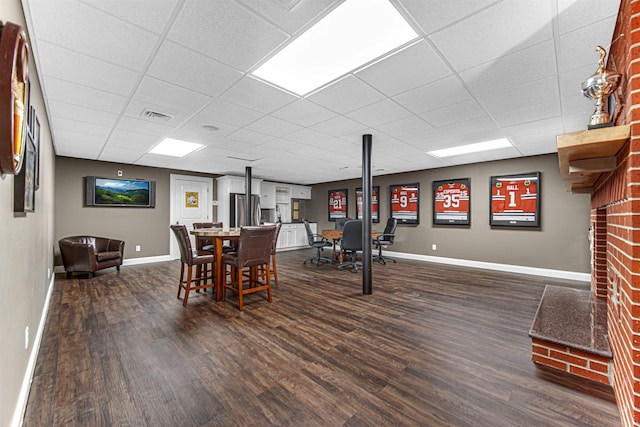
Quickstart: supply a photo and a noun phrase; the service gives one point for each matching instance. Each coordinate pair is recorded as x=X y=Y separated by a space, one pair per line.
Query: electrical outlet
x=49 y=273
x=137 y=248
x=26 y=338
x=119 y=173
x=433 y=247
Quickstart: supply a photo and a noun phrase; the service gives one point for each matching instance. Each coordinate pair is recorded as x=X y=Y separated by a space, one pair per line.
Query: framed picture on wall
x=24 y=185
x=452 y=202
x=515 y=200
x=338 y=201
x=375 y=192
x=405 y=203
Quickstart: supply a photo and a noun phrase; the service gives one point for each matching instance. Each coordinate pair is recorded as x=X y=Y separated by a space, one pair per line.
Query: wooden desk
x=219 y=235
x=337 y=235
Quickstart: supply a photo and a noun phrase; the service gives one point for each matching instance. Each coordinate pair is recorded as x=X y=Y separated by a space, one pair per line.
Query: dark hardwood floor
x=433 y=346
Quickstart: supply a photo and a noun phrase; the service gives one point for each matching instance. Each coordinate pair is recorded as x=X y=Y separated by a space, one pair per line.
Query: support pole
x=247 y=196
x=366 y=215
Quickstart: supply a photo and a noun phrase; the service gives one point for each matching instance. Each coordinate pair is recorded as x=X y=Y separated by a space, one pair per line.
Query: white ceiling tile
x=273 y=126
x=221 y=112
x=155 y=160
x=89 y=129
x=184 y=67
x=225 y=31
x=71 y=93
x=140 y=125
x=379 y=113
x=304 y=113
x=149 y=14
x=533 y=93
x=412 y=67
x=116 y=154
x=498 y=30
x=432 y=15
x=253 y=94
x=456 y=113
x=85 y=70
x=577 y=49
x=292 y=15
x=82 y=114
x=346 y=95
x=93 y=32
x=163 y=94
x=574 y=14
x=123 y=139
x=339 y=126
x=434 y=95
x=249 y=136
x=515 y=70
x=481 y=127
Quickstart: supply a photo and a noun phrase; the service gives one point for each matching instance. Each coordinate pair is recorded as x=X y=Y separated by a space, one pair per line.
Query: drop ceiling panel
x=291 y=15
x=304 y=113
x=434 y=15
x=346 y=95
x=249 y=136
x=573 y=15
x=273 y=126
x=488 y=36
x=339 y=126
x=93 y=32
x=89 y=129
x=456 y=113
x=139 y=125
x=512 y=71
x=434 y=95
x=113 y=153
x=412 y=67
x=85 y=70
x=219 y=111
x=71 y=93
x=169 y=96
x=255 y=95
x=139 y=13
x=64 y=110
x=570 y=58
x=226 y=31
x=379 y=113
x=203 y=74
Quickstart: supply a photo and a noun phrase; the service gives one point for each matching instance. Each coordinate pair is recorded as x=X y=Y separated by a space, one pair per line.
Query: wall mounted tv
x=120 y=192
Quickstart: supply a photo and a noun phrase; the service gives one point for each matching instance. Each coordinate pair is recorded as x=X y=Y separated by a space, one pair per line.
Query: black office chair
x=385 y=239
x=319 y=243
x=351 y=244
x=340 y=222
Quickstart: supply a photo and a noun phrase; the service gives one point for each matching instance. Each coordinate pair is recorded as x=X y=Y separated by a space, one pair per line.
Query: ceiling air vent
x=156 y=116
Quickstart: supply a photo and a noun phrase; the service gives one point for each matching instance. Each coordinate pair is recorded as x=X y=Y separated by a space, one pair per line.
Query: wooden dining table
x=218 y=235
x=336 y=235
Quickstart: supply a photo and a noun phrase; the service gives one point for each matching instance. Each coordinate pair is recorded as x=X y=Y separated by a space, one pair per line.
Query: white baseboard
x=21 y=405
x=546 y=272
x=146 y=260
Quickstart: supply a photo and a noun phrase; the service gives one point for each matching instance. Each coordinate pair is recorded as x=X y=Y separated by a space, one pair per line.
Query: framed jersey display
x=515 y=200
x=337 y=204
x=375 y=191
x=452 y=201
x=405 y=203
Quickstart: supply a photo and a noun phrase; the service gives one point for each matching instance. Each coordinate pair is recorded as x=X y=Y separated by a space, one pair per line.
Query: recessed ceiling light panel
x=472 y=148
x=353 y=34
x=175 y=147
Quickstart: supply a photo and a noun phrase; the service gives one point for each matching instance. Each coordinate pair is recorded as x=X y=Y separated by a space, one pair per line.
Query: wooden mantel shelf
x=584 y=155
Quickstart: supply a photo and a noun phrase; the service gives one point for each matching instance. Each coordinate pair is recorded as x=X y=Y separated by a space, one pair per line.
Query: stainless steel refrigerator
x=238 y=214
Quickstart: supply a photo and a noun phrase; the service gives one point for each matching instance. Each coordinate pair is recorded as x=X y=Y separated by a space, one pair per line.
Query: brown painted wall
x=147 y=227
x=561 y=243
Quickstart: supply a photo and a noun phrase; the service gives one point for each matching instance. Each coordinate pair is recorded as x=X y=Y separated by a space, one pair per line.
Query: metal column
x=247 y=198
x=366 y=215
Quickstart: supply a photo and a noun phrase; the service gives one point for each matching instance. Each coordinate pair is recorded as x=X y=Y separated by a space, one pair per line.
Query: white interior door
x=191 y=201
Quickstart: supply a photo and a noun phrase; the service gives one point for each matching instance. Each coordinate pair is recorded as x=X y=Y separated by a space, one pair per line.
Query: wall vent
x=156 y=116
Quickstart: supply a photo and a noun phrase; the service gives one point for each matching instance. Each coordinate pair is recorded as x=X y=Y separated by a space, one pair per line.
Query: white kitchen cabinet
x=300 y=192
x=283 y=193
x=294 y=236
x=268 y=195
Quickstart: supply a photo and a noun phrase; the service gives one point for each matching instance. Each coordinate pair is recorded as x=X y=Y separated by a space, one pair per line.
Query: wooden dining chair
x=202 y=276
x=274 y=268
x=254 y=250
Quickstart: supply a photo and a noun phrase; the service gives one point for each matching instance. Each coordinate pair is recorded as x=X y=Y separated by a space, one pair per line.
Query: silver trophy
x=598 y=87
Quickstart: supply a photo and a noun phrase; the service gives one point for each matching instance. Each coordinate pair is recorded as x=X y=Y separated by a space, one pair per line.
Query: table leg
x=219 y=267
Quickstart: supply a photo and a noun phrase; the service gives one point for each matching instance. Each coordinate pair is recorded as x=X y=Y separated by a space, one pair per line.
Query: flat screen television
x=120 y=192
